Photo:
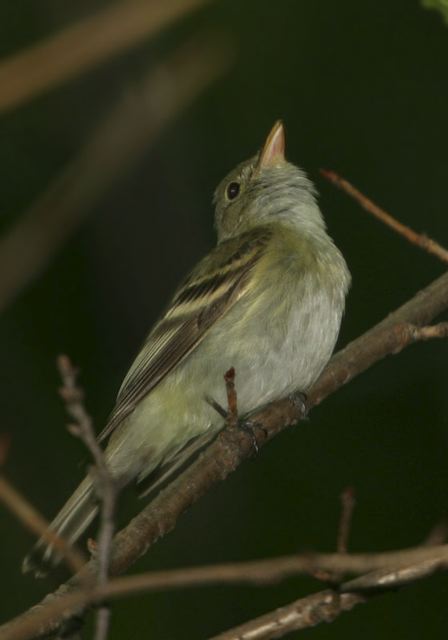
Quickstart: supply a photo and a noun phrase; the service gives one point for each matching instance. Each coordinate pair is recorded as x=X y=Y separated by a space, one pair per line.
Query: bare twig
x=388 y=337
x=226 y=453
x=117 y=144
x=347 y=507
x=396 y=577
x=35 y=522
x=30 y=517
x=304 y=613
x=325 y=606
x=32 y=520
x=429 y=333
x=347 y=498
x=419 y=239
x=104 y=482
x=85 y=44
x=232 y=401
x=258 y=572
x=73 y=396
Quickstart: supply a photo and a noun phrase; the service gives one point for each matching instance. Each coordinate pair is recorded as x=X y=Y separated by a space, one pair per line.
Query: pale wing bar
x=195 y=308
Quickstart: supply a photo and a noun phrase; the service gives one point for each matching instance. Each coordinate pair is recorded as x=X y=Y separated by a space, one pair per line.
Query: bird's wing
x=219 y=280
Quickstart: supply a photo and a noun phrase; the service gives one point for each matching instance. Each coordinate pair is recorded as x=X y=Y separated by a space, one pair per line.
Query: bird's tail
x=70 y=523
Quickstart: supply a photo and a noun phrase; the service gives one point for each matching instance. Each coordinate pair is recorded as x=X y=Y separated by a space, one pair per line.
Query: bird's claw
x=298 y=399
x=248 y=427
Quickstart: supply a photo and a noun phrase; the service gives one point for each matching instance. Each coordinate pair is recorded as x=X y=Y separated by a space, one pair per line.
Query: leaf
x=438 y=5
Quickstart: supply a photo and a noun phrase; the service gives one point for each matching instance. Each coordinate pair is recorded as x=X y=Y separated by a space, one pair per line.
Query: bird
x=268 y=301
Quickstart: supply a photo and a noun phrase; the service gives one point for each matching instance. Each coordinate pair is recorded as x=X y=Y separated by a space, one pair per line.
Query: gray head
x=264 y=189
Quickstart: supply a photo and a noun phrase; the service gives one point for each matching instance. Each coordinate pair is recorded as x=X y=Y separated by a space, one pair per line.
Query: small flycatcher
x=268 y=301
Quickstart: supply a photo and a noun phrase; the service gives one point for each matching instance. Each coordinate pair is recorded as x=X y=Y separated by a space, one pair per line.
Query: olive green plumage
x=268 y=301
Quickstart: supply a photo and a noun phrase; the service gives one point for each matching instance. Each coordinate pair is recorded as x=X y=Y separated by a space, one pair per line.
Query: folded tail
x=70 y=523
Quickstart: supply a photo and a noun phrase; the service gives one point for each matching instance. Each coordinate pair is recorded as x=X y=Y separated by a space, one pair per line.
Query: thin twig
x=325 y=606
x=37 y=524
x=432 y=331
x=392 y=335
x=304 y=613
x=395 y=577
x=226 y=453
x=232 y=400
x=258 y=572
x=333 y=578
x=30 y=517
x=105 y=484
x=419 y=239
x=87 y=43
x=122 y=137
x=348 y=503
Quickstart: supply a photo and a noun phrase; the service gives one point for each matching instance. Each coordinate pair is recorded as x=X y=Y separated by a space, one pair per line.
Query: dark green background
x=362 y=88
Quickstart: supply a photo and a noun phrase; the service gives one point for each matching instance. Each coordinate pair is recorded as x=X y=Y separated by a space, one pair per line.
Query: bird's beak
x=273 y=151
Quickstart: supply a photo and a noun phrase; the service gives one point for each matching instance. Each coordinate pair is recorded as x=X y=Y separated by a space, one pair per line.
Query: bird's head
x=264 y=189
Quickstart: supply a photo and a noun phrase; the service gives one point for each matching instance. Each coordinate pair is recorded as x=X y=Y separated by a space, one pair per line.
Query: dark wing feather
x=211 y=290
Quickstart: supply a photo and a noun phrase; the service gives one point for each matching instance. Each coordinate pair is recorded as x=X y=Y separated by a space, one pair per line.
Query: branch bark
x=386 y=570
x=106 y=487
x=327 y=605
x=396 y=331
x=304 y=613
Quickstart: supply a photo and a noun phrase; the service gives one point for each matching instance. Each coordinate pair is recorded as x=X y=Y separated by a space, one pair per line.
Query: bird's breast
x=281 y=333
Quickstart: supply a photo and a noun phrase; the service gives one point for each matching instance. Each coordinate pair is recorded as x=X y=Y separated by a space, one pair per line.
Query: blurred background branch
x=27 y=514
x=117 y=144
x=81 y=46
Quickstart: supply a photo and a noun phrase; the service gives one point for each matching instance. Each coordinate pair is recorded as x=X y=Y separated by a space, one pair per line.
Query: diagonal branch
x=83 y=45
x=232 y=447
x=303 y=613
x=419 y=239
x=30 y=517
x=35 y=522
x=415 y=563
x=327 y=605
x=119 y=141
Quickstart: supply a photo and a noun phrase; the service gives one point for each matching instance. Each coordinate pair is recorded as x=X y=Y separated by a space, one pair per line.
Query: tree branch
x=105 y=484
x=347 y=507
x=37 y=524
x=233 y=446
x=30 y=517
x=325 y=606
x=419 y=239
x=304 y=613
x=257 y=572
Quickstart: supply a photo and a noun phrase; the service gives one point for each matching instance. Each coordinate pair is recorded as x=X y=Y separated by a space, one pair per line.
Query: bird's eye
x=233 y=190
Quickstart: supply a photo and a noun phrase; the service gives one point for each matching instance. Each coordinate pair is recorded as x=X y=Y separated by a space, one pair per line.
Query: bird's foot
x=298 y=399
x=217 y=407
x=249 y=427
x=246 y=425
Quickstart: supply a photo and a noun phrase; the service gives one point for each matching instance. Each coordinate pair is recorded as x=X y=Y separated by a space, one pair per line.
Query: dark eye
x=233 y=190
